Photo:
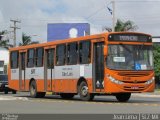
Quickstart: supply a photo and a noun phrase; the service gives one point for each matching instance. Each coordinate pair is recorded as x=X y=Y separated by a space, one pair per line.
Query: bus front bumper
x=127 y=87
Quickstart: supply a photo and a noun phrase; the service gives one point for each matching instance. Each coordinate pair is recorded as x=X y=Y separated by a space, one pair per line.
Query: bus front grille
x=133 y=88
x=135 y=82
x=133 y=74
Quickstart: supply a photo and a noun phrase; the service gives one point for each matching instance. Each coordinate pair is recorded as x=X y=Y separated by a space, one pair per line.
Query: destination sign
x=129 y=38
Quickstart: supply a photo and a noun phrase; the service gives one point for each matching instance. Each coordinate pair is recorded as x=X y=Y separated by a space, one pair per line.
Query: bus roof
x=102 y=35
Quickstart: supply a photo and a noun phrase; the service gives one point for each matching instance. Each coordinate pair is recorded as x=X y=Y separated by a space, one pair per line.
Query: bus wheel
x=6 y=91
x=41 y=94
x=67 y=95
x=83 y=92
x=123 y=97
x=33 y=89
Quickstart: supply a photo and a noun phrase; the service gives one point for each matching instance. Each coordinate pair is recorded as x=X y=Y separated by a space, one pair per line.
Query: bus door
x=98 y=66
x=22 y=70
x=49 y=69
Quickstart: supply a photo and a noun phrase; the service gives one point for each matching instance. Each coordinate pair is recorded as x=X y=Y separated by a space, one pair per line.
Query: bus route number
x=33 y=71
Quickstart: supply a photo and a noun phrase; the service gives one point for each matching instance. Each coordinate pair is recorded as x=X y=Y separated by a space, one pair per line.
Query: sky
x=36 y=14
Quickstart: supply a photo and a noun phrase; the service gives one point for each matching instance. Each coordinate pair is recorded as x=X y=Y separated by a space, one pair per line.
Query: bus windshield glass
x=130 y=57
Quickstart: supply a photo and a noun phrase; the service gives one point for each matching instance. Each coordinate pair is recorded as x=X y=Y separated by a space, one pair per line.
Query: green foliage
x=156 y=55
x=26 y=40
x=4 y=43
x=125 y=26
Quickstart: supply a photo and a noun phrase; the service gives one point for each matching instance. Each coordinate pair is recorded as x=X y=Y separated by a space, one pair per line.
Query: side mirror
x=105 y=50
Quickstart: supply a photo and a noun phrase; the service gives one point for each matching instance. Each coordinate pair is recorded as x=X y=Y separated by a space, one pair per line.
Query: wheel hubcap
x=84 y=90
x=32 y=90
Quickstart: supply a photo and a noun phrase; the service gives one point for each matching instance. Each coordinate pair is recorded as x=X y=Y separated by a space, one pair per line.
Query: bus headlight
x=149 y=81
x=114 y=80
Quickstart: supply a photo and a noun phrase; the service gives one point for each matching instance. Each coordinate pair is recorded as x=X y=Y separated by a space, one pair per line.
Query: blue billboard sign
x=58 y=31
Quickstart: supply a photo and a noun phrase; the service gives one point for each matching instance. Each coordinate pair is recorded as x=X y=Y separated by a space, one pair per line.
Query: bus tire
x=6 y=91
x=67 y=95
x=33 y=89
x=123 y=97
x=41 y=94
x=83 y=92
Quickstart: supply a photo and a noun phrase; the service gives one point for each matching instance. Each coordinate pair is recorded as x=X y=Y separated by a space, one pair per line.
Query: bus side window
x=39 y=57
x=84 y=52
x=50 y=58
x=14 y=60
x=30 y=58
x=72 y=55
x=60 y=54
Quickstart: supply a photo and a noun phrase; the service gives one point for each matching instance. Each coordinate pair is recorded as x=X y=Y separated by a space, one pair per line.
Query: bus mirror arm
x=105 y=50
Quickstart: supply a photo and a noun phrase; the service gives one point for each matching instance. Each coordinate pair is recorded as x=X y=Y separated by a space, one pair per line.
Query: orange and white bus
x=115 y=63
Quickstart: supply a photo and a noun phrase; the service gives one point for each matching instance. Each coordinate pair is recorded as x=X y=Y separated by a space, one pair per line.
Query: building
x=58 y=31
x=156 y=39
x=4 y=60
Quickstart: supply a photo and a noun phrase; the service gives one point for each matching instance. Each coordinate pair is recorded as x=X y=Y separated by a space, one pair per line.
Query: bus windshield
x=130 y=57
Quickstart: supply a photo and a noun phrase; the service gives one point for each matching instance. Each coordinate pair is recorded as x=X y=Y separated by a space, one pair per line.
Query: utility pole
x=113 y=16
x=14 y=30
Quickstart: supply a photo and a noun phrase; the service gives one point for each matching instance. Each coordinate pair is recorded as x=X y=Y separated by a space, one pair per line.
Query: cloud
x=1 y=17
x=35 y=14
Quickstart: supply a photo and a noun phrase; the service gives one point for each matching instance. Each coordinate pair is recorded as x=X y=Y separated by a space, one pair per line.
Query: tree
x=26 y=40
x=123 y=26
x=4 y=43
x=156 y=55
x=2 y=34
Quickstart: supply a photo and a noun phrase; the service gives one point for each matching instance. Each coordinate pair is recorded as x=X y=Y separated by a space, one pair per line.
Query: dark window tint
x=39 y=57
x=1 y=63
x=14 y=60
x=50 y=58
x=30 y=60
x=3 y=78
x=84 y=52
x=72 y=53
x=23 y=61
x=60 y=54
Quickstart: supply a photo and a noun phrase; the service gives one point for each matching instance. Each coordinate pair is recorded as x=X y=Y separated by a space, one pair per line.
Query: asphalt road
x=22 y=103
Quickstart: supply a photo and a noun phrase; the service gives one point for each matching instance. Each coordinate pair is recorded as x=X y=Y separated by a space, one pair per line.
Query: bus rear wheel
x=33 y=91
x=67 y=95
x=41 y=94
x=123 y=97
x=84 y=93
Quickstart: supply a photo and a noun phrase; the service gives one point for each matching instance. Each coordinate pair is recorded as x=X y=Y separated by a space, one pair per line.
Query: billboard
x=58 y=31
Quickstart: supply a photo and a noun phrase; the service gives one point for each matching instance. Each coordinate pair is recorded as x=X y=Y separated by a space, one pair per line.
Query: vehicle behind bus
x=116 y=64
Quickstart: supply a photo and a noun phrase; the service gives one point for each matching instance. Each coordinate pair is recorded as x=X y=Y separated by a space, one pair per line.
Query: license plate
x=135 y=87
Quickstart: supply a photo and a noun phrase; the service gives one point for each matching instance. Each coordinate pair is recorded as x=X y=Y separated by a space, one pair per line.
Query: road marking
x=156 y=105
x=94 y=102
x=145 y=104
x=72 y=101
x=136 y=104
x=146 y=95
x=3 y=98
